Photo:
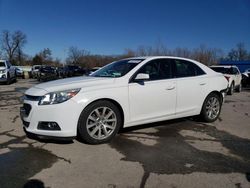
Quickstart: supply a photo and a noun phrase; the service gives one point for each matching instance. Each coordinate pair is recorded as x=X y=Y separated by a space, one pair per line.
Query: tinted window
x=187 y=69
x=223 y=70
x=157 y=69
x=2 y=64
x=235 y=71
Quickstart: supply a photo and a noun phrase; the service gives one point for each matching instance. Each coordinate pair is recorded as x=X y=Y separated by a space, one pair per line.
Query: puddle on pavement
x=18 y=163
x=173 y=151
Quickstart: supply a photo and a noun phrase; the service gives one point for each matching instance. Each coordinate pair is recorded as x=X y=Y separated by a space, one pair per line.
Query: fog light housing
x=3 y=76
x=49 y=126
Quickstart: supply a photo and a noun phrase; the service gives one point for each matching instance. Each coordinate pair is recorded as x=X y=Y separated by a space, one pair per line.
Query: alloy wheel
x=212 y=108
x=101 y=123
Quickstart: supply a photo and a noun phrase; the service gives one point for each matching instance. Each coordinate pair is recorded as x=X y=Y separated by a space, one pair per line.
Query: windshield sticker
x=117 y=74
x=134 y=61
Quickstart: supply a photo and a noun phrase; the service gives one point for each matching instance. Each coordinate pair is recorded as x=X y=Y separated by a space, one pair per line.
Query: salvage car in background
x=72 y=70
x=35 y=71
x=233 y=76
x=124 y=93
x=19 y=72
x=7 y=72
x=245 y=78
x=46 y=73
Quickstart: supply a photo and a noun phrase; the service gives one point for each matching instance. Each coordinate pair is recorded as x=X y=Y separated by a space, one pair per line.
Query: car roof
x=158 y=57
x=225 y=66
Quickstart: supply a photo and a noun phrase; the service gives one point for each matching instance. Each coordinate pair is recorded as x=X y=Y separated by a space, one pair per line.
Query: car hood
x=69 y=83
x=2 y=68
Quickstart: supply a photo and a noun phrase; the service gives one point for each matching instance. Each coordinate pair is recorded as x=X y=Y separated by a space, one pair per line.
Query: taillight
x=227 y=77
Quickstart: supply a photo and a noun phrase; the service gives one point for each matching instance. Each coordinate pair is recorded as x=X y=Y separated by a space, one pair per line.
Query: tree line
x=12 y=45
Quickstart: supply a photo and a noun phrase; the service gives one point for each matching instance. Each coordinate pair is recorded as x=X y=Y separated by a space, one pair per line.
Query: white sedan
x=124 y=93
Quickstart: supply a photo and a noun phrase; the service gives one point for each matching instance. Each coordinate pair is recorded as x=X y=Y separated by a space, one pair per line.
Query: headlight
x=3 y=71
x=58 y=97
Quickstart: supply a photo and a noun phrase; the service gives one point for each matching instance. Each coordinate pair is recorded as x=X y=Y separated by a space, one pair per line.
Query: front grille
x=27 y=108
x=32 y=98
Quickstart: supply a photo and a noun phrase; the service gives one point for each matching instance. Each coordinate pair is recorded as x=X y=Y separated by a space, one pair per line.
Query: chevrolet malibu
x=124 y=93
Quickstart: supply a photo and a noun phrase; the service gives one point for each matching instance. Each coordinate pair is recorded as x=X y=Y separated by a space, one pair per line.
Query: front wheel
x=211 y=108
x=231 y=89
x=8 y=80
x=99 y=122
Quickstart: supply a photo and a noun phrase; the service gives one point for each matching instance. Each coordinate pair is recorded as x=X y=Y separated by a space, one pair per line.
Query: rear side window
x=186 y=69
x=235 y=71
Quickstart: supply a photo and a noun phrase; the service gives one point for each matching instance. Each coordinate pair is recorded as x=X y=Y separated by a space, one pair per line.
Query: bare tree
x=75 y=55
x=239 y=53
x=44 y=57
x=12 y=42
x=46 y=54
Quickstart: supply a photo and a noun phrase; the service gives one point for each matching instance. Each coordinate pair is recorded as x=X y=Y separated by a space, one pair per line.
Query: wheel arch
x=109 y=100
x=213 y=92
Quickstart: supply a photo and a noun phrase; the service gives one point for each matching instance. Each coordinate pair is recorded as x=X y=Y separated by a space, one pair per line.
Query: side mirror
x=141 y=77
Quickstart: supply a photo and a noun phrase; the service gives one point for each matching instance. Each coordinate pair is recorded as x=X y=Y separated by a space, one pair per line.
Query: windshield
x=2 y=64
x=222 y=70
x=117 y=69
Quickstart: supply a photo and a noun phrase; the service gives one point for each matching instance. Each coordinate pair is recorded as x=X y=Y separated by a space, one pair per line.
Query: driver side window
x=157 y=69
x=152 y=69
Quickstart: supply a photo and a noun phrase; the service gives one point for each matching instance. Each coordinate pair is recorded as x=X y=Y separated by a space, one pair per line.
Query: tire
x=211 y=108
x=231 y=89
x=15 y=79
x=99 y=122
x=238 y=89
x=8 y=80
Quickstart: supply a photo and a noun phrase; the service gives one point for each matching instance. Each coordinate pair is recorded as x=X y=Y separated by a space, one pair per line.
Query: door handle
x=170 y=88
x=203 y=83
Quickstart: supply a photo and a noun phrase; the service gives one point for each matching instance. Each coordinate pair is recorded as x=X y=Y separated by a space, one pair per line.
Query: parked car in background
x=72 y=70
x=19 y=72
x=46 y=73
x=59 y=72
x=7 y=72
x=233 y=76
x=246 y=78
x=35 y=70
x=124 y=93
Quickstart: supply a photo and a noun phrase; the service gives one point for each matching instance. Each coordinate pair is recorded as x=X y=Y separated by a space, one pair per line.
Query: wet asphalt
x=163 y=151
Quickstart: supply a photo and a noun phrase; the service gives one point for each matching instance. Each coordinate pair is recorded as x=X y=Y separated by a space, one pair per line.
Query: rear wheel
x=231 y=89
x=99 y=122
x=211 y=108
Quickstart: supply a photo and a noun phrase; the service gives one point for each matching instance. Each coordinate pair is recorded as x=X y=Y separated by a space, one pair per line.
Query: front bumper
x=3 y=77
x=66 y=115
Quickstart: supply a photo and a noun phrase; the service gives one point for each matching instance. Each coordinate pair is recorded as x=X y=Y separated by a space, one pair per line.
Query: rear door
x=191 y=87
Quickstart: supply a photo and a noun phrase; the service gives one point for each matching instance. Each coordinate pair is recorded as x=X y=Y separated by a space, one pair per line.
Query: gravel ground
x=180 y=153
